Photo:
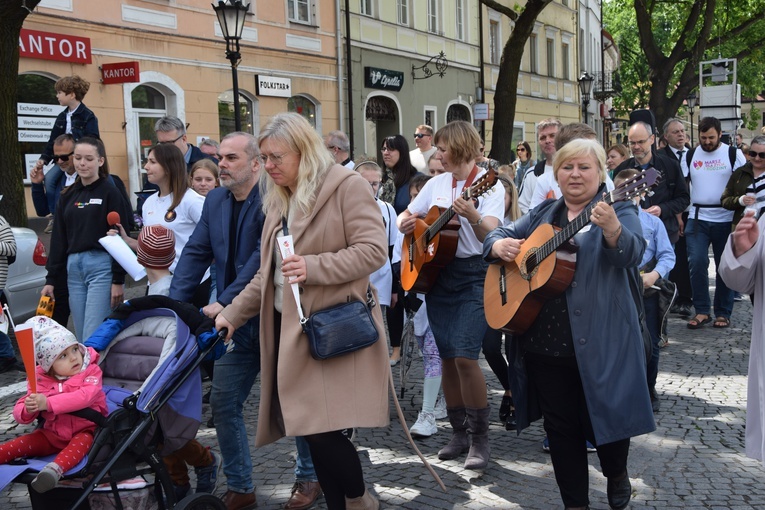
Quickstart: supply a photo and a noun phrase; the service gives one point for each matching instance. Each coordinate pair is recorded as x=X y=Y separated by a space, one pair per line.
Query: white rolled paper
x=124 y=256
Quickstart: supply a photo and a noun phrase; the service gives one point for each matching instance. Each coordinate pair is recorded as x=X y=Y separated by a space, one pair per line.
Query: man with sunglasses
x=45 y=194
x=423 y=139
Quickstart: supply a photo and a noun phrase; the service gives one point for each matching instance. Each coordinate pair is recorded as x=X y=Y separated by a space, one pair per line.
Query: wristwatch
x=480 y=220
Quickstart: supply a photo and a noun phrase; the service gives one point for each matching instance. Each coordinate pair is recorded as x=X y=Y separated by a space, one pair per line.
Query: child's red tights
x=36 y=444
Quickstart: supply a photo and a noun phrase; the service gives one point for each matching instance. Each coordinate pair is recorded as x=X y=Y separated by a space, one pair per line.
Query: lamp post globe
x=231 y=16
x=585 y=87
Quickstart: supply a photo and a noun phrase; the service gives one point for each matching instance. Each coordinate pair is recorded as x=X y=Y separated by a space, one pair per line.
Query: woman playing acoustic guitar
x=455 y=301
x=581 y=364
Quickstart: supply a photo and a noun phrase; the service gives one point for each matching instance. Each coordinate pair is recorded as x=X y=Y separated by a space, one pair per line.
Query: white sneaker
x=439 y=410
x=425 y=426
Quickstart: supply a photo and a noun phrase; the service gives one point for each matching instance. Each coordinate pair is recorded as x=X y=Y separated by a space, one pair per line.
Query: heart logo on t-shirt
x=698 y=164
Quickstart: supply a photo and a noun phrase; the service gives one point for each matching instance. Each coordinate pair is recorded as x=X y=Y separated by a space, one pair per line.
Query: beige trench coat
x=343 y=241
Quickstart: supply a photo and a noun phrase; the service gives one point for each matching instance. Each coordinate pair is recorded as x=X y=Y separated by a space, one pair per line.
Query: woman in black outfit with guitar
x=578 y=358
x=455 y=299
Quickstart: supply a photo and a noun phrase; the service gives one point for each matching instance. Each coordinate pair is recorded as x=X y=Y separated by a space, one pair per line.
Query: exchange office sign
x=273 y=86
x=50 y=46
x=384 y=79
x=121 y=72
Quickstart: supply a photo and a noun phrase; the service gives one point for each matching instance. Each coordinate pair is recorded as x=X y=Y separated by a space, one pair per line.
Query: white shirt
x=528 y=187
x=382 y=279
x=710 y=172
x=187 y=216
x=438 y=191
x=420 y=159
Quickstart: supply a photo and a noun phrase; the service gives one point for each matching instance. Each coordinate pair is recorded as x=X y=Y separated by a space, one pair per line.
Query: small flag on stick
x=27 y=349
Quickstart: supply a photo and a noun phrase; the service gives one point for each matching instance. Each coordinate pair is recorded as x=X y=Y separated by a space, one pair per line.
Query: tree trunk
x=506 y=91
x=12 y=206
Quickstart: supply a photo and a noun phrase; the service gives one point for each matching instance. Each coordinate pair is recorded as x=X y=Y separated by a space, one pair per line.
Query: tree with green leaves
x=12 y=16
x=662 y=44
x=505 y=94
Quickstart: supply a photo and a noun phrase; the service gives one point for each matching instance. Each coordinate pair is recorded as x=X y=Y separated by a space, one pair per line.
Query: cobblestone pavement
x=695 y=458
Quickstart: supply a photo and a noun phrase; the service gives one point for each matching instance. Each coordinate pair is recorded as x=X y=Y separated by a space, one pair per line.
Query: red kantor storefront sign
x=122 y=72
x=50 y=46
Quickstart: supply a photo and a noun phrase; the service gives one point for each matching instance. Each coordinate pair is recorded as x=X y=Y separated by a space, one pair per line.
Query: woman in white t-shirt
x=455 y=302
x=175 y=206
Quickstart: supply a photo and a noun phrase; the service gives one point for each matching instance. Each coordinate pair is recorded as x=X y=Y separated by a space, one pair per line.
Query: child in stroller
x=68 y=379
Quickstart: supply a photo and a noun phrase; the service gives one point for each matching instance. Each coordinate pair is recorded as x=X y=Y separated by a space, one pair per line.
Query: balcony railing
x=607 y=84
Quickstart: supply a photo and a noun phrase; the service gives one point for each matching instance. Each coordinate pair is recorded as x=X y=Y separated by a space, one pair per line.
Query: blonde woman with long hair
x=339 y=241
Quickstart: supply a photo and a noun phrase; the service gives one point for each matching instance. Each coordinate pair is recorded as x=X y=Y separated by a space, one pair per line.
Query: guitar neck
x=569 y=231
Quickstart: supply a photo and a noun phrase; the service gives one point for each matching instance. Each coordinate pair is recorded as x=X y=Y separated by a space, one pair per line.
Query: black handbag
x=339 y=329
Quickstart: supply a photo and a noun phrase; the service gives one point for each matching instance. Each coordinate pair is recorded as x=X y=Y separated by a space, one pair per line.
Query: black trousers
x=497 y=360
x=680 y=274
x=338 y=468
x=567 y=424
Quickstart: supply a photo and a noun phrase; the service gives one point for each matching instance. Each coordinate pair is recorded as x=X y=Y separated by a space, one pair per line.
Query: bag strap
x=286 y=248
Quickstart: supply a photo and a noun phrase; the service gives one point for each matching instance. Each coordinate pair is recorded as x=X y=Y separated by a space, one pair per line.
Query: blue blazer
x=211 y=239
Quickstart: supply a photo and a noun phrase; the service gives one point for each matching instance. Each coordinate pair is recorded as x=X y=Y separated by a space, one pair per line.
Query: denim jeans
x=50 y=181
x=235 y=375
x=304 y=470
x=699 y=234
x=89 y=278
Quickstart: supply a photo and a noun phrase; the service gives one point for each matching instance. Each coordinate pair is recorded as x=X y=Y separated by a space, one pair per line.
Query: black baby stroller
x=152 y=347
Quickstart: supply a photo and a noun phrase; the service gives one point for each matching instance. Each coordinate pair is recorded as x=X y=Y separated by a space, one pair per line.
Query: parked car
x=26 y=276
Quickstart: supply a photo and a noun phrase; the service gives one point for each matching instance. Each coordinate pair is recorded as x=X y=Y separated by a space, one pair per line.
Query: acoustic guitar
x=433 y=243
x=514 y=292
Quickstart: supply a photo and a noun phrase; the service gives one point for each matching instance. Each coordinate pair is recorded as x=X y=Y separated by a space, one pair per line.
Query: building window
x=35 y=89
x=303 y=106
x=458 y=112
x=430 y=118
x=564 y=59
x=460 y=19
x=551 y=57
x=226 y=122
x=402 y=11
x=300 y=11
x=533 y=54
x=434 y=17
x=494 y=43
x=366 y=7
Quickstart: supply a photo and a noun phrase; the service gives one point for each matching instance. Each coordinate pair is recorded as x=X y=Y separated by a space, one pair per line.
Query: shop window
x=381 y=108
x=148 y=98
x=303 y=106
x=458 y=112
x=226 y=122
x=34 y=129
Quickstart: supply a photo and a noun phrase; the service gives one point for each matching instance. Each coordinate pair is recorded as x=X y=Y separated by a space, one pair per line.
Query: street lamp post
x=691 y=101
x=231 y=15
x=585 y=87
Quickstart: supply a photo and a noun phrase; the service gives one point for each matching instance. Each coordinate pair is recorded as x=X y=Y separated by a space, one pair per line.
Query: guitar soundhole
x=523 y=266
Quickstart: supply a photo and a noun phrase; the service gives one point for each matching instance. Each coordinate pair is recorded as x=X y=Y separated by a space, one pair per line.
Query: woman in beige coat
x=339 y=240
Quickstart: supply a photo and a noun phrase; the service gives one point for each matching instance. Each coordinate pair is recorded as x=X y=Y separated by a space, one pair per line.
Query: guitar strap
x=468 y=182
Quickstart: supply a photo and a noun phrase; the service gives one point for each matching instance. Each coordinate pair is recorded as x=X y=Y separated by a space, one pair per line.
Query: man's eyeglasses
x=62 y=157
x=420 y=135
x=635 y=143
x=752 y=154
x=169 y=141
x=276 y=159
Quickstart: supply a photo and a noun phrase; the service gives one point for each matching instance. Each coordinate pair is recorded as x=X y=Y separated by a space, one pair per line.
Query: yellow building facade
x=547 y=86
